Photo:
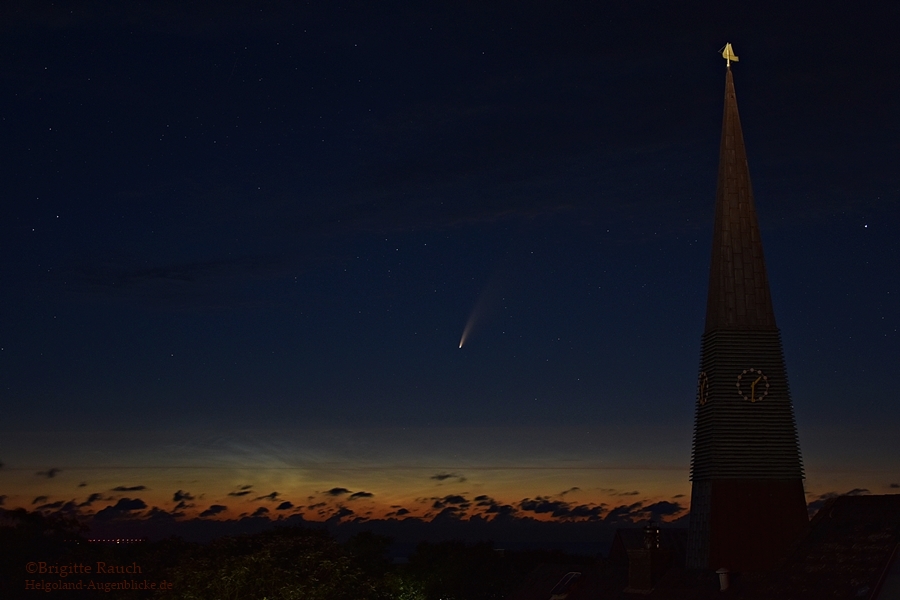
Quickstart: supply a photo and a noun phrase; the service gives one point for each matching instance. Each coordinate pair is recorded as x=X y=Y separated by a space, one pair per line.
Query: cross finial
x=729 y=55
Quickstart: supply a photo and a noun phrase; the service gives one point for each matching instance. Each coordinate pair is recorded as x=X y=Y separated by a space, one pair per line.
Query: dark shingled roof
x=845 y=555
x=850 y=553
x=738 y=286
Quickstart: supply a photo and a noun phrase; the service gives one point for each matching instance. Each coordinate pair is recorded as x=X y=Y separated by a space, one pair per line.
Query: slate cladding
x=745 y=446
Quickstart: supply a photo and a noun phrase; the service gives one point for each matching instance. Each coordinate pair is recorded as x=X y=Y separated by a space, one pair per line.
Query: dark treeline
x=279 y=564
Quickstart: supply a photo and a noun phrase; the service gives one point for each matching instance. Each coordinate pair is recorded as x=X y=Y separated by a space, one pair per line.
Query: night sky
x=242 y=242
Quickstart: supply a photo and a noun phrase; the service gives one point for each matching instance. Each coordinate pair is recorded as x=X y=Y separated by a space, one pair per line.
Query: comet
x=486 y=300
x=469 y=324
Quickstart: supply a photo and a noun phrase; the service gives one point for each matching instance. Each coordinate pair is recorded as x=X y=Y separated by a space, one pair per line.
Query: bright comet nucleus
x=465 y=333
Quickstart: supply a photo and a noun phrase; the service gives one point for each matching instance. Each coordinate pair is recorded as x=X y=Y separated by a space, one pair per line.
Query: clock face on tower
x=752 y=385
x=702 y=388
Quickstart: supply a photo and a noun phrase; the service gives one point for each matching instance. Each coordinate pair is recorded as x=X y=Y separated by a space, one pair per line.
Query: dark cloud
x=625 y=514
x=181 y=496
x=82 y=484
x=585 y=511
x=3 y=498
x=454 y=499
x=615 y=492
x=159 y=514
x=242 y=490
x=213 y=510
x=446 y=476
x=122 y=508
x=678 y=496
x=260 y=511
x=39 y=499
x=451 y=500
x=356 y=495
x=342 y=512
x=491 y=506
x=60 y=506
x=338 y=491
x=495 y=508
x=91 y=499
x=135 y=488
x=542 y=505
x=402 y=511
x=858 y=492
x=663 y=509
x=273 y=497
x=129 y=504
x=569 y=491
x=284 y=506
x=501 y=510
x=449 y=512
x=49 y=473
x=895 y=485
x=559 y=509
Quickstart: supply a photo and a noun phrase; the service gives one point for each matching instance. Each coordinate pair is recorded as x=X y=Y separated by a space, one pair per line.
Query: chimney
x=723 y=579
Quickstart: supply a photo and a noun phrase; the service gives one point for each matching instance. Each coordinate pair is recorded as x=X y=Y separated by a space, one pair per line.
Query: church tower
x=747 y=499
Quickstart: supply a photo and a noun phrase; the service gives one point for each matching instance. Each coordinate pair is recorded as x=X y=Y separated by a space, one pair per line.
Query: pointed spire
x=739 y=295
x=747 y=499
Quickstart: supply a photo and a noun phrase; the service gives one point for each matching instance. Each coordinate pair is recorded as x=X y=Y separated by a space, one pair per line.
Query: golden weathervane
x=728 y=54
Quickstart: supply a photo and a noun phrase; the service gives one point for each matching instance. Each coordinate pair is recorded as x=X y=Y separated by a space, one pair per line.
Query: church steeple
x=747 y=499
x=738 y=287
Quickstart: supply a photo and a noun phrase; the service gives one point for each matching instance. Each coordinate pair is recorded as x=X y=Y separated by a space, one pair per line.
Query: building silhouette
x=747 y=498
x=750 y=537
